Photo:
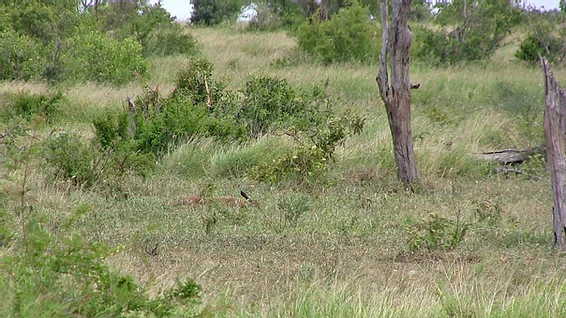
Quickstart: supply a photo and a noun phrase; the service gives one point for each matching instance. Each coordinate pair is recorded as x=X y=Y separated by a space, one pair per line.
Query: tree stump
x=554 y=133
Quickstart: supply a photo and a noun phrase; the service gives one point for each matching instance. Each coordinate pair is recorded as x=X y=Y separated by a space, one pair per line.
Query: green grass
x=347 y=254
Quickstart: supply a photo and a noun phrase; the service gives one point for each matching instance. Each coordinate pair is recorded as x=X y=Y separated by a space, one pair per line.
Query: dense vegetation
x=112 y=115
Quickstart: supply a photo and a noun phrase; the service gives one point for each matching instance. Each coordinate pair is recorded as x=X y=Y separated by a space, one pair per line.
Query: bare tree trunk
x=554 y=133
x=395 y=90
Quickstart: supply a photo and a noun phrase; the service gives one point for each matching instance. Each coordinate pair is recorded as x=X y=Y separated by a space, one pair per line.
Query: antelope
x=225 y=200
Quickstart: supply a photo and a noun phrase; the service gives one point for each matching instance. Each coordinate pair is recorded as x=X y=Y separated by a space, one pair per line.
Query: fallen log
x=510 y=156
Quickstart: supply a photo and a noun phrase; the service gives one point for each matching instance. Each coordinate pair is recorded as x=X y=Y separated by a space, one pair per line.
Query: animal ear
x=244 y=195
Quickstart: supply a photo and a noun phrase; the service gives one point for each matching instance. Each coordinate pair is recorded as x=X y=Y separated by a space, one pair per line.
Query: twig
x=208 y=98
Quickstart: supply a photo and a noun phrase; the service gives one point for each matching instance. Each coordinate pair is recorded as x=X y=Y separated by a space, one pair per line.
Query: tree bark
x=395 y=90
x=554 y=133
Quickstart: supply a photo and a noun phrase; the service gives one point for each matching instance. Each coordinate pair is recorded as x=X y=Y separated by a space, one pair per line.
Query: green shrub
x=307 y=164
x=26 y=106
x=21 y=57
x=348 y=36
x=467 y=32
x=56 y=274
x=546 y=44
x=199 y=106
x=91 y=56
x=211 y=12
x=195 y=81
x=267 y=101
x=73 y=160
x=156 y=30
x=86 y=164
x=169 y=40
x=435 y=233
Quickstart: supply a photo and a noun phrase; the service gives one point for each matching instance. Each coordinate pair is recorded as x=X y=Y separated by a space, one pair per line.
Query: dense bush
x=26 y=106
x=349 y=35
x=211 y=12
x=269 y=102
x=21 y=57
x=544 y=41
x=52 y=40
x=86 y=164
x=153 y=27
x=307 y=163
x=467 y=32
x=51 y=275
x=92 y=56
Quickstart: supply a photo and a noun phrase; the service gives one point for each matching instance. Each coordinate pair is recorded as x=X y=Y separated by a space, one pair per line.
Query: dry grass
x=348 y=254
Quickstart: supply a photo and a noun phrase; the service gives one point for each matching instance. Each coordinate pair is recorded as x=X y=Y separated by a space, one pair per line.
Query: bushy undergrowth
x=544 y=43
x=27 y=106
x=54 y=41
x=436 y=232
x=467 y=32
x=308 y=163
x=88 y=164
x=44 y=274
x=96 y=57
x=348 y=36
x=132 y=139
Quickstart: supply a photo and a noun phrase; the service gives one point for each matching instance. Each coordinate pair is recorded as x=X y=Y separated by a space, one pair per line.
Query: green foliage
x=199 y=106
x=95 y=57
x=27 y=106
x=150 y=25
x=348 y=36
x=294 y=207
x=435 y=233
x=211 y=12
x=270 y=101
x=54 y=274
x=21 y=57
x=52 y=40
x=469 y=31
x=89 y=164
x=308 y=162
x=542 y=41
x=306 y=165
x=195 y=82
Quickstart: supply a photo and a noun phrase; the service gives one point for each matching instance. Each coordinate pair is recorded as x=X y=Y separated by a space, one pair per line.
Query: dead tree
x=554 y=133
x=395 y=88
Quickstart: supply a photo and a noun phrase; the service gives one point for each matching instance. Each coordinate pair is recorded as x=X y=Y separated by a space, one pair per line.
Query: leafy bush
x=267 y=101
x=53 y=40
x=153 y=27
x=195 y=81
x=199 y=106
x=435 y=233
x=545 y=43
x=63 y=273
x=348 y=36
x=308 y=163
x=88 y=164
x=21 y=57
x=211 y=12
x=467 y=32
x=91 y=56
x=26 y=105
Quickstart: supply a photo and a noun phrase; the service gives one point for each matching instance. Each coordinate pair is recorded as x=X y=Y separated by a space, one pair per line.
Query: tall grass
x=347 y=255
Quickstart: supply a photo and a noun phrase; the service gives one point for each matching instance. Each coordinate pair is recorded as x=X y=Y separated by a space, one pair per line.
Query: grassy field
x=343 y=249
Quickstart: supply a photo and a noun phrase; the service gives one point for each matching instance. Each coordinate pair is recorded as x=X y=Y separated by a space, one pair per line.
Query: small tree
x=395 y=89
